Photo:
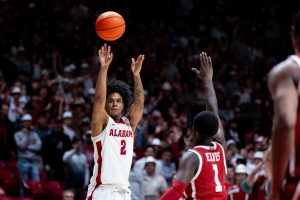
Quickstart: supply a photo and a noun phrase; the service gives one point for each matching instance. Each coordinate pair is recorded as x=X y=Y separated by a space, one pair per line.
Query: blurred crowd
x=49 y=64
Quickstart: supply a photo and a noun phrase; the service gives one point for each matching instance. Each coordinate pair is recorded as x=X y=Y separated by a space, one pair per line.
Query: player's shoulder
x=190 y=156
x=287 y=66
x=287 y=69
x=218 y=145
x=110 y=120
x=204 y=148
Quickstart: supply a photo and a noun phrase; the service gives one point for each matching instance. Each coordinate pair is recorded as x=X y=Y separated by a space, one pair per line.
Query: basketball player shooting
x=284 y=83
x=202 y=170
x=112 y=131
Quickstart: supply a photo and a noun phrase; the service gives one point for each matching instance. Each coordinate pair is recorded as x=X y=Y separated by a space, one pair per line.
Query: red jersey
x=260 y=188
x=228 y=185
x=294 y=163
x=235 y=192
x=293 y=172
x=209 y=180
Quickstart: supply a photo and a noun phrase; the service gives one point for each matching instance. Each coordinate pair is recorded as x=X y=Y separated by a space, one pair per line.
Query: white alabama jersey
x=113 y=151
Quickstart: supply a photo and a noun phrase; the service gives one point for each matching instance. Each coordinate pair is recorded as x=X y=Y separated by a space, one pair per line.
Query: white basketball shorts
x=111 y=192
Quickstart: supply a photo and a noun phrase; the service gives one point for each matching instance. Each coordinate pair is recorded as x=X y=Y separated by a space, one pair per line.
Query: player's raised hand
x=205 y=72
x=105 y=56
x=136 y=65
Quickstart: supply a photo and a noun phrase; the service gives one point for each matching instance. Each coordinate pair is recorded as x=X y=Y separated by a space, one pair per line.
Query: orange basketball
x=110 y=26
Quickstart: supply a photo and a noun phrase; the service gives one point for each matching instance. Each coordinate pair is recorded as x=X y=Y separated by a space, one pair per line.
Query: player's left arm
x=188 y=166
x=137 y=108
x=205 y=73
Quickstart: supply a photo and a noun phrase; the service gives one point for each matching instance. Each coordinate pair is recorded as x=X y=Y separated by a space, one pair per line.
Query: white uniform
x=113 y=151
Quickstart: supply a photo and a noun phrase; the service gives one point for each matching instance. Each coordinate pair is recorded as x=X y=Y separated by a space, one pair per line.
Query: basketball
x=110 y=26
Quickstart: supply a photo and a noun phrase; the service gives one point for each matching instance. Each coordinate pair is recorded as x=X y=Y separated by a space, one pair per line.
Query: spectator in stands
x=230 y=176
x=85 y=77
x=136 y=182
x=68 y=130
x=42 y=126
x=22 y=63
x=15 y=105
x=68 y=195
x=140 y=164
x=262 y=184
x=54 y=147
x=29 y=144
x=168 y=168
x=243 y=47
x=88 y=148
x=77 y=171
x=243 y=182
x=232 y=133
x=7 y=131
x=154 y=184
x=2 y=191
x=232 y=148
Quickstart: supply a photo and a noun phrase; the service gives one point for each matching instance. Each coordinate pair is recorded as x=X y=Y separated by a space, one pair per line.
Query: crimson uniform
x=209 y=180
x=260 y=188
x=235 y=192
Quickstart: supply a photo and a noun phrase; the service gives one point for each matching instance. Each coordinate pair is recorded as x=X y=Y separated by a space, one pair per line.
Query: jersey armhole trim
x=200 y=164
x=225 y=165
x=100 y=135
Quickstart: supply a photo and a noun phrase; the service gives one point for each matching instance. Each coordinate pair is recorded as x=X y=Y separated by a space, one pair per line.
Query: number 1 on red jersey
x=218 y=184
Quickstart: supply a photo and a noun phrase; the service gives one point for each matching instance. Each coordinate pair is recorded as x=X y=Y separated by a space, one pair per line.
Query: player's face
x=114 y=105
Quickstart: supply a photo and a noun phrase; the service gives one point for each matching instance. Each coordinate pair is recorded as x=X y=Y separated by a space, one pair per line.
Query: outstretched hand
x=105 y=56
x=136 y=65
x=205 y=72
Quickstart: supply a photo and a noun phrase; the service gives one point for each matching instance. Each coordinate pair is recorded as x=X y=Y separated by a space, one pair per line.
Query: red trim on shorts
x=99 y=162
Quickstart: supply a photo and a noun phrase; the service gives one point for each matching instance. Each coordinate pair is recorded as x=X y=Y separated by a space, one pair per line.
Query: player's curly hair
x=122 y=88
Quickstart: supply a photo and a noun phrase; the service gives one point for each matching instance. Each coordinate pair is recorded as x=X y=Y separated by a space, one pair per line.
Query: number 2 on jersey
x=218 y=184
x=123 y=147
